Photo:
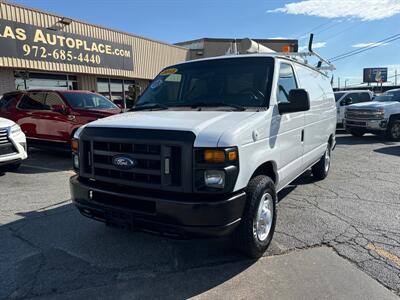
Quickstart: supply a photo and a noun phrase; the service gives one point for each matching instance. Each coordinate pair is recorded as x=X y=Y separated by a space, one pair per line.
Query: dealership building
x=43 y=50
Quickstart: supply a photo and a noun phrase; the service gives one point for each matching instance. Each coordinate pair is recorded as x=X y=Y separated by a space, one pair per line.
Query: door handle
x=302 y=135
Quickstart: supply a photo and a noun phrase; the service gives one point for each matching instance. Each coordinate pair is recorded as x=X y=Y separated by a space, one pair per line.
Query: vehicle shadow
x=45 y=161
x=364 y=140
x=53 y=251
x=303 y=179
x=393 y=150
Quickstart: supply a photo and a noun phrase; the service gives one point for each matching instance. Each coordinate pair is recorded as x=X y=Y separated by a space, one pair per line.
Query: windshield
x=388 y=96
x=338 y=96
x=88 y=101
x=232 y=82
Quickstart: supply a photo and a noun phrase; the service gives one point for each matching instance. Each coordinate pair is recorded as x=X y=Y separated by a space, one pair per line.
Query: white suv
x=12 y=145
x=346 y=98
x=207 y=147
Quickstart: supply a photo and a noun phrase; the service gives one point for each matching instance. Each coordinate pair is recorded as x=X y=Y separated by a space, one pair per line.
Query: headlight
x=15 y=129
x=75 y=153
x=76 y=161
x=379 y=112
x=214 y=178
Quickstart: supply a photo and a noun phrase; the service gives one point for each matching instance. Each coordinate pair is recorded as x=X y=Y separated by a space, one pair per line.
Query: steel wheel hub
x=263 y=220
x=327 y=159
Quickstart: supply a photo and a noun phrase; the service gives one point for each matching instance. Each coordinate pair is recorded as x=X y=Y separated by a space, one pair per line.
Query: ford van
x=207 y=147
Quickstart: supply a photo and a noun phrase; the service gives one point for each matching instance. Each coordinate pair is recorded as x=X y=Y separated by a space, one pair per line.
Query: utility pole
x=345 y=83
x=338 y=83
x=395 y=77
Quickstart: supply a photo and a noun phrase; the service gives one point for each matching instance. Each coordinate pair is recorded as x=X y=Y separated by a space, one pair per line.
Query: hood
x=208 y=126
x=6 y=123
x=374 y=104
x=98 y=113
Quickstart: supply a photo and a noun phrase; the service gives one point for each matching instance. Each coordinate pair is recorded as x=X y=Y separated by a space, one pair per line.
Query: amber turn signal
x=232 y=155
x=74 y=145
x=214 y=156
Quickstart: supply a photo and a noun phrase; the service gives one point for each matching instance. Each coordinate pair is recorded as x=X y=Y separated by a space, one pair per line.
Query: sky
x=340 y=26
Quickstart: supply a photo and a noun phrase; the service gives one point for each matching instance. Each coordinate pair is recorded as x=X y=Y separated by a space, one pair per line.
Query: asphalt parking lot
x=48 y=249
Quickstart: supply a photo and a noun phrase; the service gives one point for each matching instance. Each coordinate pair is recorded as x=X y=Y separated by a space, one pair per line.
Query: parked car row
x=49 y=118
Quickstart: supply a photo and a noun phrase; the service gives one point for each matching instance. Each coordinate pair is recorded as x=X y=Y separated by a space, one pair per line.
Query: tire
x=357 y=132
x=260 y=206
x=321 y=169
x=393 y=131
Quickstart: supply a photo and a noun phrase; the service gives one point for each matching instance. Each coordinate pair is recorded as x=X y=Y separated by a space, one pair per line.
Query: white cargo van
x=207 y=147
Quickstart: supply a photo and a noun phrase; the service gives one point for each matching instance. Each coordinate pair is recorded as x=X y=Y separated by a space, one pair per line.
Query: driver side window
x=286 y=82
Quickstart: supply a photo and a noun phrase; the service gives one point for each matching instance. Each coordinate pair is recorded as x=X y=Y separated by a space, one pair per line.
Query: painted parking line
x=47 y=169
x=386 y=254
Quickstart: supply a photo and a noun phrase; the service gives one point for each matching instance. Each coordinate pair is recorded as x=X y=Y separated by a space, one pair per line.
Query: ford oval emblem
x=124 y=162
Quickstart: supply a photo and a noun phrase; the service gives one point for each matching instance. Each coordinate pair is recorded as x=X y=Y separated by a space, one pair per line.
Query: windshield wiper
x=149 y=106
x=217 y=104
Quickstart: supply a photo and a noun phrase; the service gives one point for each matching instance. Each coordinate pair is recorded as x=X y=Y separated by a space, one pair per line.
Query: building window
x=27 y=80
x=117 y=90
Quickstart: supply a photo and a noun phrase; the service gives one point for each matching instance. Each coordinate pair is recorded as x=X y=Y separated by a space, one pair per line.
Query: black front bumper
x=163 y=215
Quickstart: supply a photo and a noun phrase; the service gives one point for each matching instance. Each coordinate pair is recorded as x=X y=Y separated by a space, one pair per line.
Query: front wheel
x=258 y=222
x=393 y=131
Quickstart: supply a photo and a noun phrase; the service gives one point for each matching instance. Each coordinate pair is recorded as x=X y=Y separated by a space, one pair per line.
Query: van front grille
x=157 y=162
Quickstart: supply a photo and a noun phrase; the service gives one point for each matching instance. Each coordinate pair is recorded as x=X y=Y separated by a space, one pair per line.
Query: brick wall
x=7 y=83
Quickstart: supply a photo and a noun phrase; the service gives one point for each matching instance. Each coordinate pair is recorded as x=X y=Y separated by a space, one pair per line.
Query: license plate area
x=133 y=204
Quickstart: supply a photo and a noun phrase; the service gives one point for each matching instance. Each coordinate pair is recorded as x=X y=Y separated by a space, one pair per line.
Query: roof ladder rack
x=249 y=46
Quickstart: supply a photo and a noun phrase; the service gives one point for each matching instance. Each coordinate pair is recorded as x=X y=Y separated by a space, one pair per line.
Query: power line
x=349 y=28
x=314 y=28
x=366 y=48
x=321 y=29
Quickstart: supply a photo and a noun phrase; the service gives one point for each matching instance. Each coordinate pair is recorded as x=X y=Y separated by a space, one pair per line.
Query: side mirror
x=60 y=109
x=299 y=100
x=348 y=101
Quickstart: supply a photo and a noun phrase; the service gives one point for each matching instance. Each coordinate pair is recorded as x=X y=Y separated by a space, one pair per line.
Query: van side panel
x=320 y=120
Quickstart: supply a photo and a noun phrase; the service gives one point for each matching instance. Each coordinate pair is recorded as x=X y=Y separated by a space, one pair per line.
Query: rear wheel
x=321 y=169
x=393 y=131
x=258 y=222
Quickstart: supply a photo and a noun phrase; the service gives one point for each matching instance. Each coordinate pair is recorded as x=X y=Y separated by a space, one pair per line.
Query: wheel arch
x=267 y=168
x=394 y=117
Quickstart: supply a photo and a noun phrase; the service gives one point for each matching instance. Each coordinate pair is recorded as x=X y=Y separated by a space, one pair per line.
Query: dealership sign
x=18 y=40
x=375 y=74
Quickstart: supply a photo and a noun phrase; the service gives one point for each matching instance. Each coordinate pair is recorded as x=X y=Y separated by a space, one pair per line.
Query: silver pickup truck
x=381 y=116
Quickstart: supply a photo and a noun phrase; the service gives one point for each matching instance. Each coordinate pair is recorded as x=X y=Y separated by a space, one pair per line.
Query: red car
x=49 y=117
